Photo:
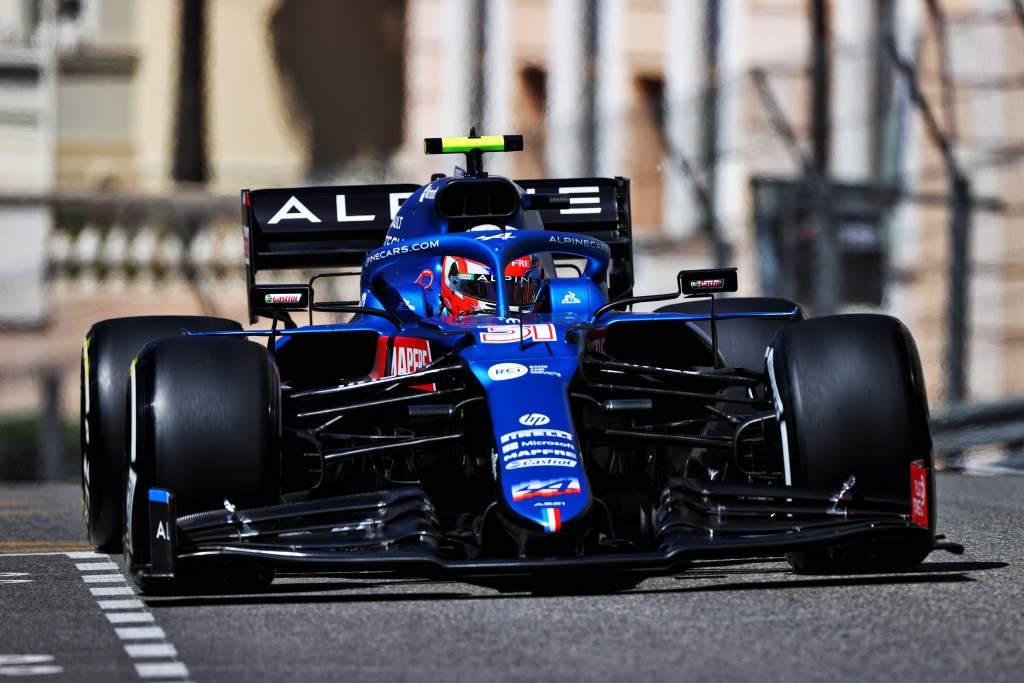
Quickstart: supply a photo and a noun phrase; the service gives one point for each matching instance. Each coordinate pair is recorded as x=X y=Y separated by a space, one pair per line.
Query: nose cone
x=538 y=466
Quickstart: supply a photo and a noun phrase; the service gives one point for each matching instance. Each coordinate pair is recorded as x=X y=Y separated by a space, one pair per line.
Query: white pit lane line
x=28 y=665
x=132 y=622
x=14 y=577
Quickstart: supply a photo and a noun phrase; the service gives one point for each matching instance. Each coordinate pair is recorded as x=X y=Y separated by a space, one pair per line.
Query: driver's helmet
x=470 y=286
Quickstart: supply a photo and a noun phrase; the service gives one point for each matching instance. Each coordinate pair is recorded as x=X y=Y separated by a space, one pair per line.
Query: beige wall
x=95 y=141
x=120 y=131
x=253 y=141
x=153 y=121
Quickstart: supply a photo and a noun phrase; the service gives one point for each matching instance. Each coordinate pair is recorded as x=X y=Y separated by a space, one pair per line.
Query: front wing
x=398 y=530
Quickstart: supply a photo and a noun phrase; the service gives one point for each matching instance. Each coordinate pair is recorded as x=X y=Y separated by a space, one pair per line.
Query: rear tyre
x=107 y=352
x=206 y=426
x=851 y=398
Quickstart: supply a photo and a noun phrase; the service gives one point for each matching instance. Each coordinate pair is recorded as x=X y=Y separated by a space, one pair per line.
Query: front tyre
x=851 y=400
x=204 y=424
x=108 y=350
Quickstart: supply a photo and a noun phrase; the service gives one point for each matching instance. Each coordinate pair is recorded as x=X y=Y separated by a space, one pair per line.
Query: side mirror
x=707 y=281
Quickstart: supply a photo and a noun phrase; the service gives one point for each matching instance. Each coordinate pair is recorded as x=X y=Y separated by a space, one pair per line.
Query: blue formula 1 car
x=493 y=405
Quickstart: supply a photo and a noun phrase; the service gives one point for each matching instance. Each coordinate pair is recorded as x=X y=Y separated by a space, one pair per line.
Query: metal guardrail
x=967 y=426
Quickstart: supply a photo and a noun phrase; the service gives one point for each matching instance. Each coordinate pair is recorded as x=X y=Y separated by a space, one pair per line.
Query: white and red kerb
x=401 y=356
x=919 y=493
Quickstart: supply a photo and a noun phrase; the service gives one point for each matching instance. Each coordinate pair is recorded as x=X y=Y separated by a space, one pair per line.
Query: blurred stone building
x=662 y=91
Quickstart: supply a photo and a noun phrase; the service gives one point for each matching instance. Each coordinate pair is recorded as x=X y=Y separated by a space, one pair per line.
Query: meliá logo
x=534 y=419
x=503 y=371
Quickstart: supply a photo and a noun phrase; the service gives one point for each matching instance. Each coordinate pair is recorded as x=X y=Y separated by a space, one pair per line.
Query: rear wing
x=598 y=207
x=320 y=228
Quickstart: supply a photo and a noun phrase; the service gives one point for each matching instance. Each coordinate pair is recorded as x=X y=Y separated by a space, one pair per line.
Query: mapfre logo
x=534 y=419
x=503 y=371
x=409 y=355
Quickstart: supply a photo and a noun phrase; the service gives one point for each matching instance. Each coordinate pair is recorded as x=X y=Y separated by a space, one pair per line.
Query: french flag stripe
x=552 y=519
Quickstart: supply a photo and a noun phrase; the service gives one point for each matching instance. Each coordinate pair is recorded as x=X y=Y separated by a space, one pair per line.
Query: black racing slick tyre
x=108 y=351
x=205 y=425
x=851 y=401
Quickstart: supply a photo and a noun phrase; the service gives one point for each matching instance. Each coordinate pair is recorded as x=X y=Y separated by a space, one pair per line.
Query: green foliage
x=20 y=449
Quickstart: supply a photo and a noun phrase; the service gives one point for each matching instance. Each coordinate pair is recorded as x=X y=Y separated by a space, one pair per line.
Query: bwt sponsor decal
x=534 y=419
x=283 y=298
x=402 y=248
x=540 y=462
x=545 y=488
x=503 y=334
x=503 y=371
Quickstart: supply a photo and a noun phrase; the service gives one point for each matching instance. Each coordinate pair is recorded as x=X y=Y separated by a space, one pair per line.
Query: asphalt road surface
x=69 y=614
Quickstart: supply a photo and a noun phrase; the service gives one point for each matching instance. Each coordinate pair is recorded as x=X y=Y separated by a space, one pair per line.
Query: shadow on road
x=308 y=591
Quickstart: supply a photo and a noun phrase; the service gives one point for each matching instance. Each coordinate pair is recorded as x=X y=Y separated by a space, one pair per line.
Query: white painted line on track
x=126 y=611
x=86 y=555
x=28 y=665
x=140 y=633
x=129 y=617
x=104 y=578
x=14 y=577
x=161 y=670
x=111 y=590
x=121 y=604
x=30 y=670
x=151 y=650
x=96 y=566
